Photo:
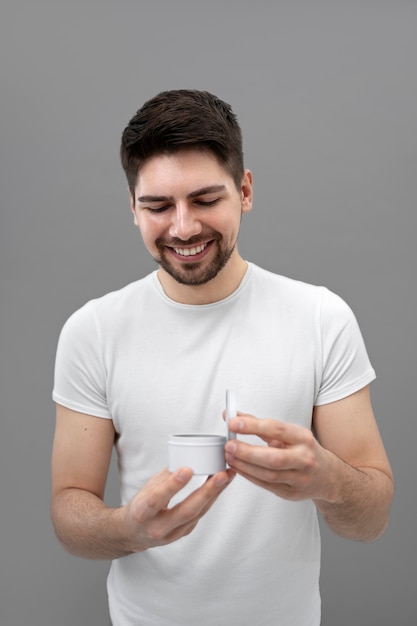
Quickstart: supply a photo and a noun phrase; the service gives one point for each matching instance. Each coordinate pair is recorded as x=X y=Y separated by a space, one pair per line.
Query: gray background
x=327 y=97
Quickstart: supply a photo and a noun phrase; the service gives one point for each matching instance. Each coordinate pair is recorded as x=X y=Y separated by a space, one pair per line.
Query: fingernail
x=231 y=446
x=221 y=480
x=183 y=475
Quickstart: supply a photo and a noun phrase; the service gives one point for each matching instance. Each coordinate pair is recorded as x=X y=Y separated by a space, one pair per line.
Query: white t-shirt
x=156 y=367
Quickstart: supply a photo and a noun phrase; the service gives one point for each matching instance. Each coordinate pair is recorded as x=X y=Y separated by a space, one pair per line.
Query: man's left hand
x=293 y=464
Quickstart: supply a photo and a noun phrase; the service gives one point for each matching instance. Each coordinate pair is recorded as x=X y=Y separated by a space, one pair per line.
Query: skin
x=188 y=210
x=343 y=469
x=186 y=199
x=87 y=527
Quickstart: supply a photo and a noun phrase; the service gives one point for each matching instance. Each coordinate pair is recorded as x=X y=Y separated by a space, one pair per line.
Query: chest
x=174 y=374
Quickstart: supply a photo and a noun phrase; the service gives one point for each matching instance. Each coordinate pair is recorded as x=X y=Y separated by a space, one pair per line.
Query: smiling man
x=157 y=356
x=191 y=227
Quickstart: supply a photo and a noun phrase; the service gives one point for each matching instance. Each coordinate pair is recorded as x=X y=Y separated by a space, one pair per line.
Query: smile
x=191 y=251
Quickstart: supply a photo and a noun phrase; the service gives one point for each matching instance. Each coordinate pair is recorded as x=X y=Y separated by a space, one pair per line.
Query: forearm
x=359 y=508
x=86 y=527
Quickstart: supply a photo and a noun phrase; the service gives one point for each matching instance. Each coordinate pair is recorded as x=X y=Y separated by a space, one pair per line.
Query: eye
x=159 y=209
x=207 y=203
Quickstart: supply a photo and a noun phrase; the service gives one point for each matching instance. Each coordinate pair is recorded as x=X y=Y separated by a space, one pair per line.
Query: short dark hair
x=179 y=119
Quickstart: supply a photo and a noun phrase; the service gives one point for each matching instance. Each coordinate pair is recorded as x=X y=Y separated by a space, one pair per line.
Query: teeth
x=190 y=251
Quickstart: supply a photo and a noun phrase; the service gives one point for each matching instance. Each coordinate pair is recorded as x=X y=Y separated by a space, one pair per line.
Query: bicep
x=81 y=452
x=348 y=429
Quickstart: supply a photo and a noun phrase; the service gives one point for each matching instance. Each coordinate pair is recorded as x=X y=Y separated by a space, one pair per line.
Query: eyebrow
x=194 y=194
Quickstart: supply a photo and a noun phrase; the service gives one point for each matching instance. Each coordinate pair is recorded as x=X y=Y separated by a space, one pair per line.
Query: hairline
x=199 y=147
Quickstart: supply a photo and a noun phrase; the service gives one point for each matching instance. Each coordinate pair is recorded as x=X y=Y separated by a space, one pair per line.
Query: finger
x=284 y=487
x=224 y=414
x=181 y=531
x=274 y=443
x=269 y=429
x=268 y=457
x=202 y=498
x=220 y=482
x=194 y=506
x=158 y=491
x=180 y=520
x=164 y=474
x=270 y=478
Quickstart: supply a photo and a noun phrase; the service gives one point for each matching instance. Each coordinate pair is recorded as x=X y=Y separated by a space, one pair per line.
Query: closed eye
x=159 y=209
x=166 y=207
x=207 y=202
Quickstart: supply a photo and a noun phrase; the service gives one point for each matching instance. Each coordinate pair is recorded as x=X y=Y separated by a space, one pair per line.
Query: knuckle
x=138 y=514
x=143 y=508
x=271 y=476
x=187 y=513
x=276 y=462
x=309 y=439
x=276 y=430
x=156 y=533
x=310 y=462
x=152 y=502
x=189 y=529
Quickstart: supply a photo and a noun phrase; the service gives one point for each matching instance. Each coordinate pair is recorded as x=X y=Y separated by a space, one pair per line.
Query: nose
x=185 y=223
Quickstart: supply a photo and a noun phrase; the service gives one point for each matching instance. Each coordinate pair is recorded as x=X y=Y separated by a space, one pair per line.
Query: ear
x=247 y=191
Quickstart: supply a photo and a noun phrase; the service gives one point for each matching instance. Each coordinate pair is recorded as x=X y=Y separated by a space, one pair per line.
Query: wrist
x=338 y=481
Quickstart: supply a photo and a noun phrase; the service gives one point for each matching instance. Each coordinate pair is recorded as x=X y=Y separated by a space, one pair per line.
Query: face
x=188 y=210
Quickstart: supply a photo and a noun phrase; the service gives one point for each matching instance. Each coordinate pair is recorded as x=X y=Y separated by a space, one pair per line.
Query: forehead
x=189 y=169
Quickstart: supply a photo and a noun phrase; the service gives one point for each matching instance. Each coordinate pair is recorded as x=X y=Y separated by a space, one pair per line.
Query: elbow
x=380 y=520
x=383 y=516
x=61 y=523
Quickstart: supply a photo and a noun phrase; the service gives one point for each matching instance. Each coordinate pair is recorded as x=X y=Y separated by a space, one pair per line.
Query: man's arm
x=84 y=524
x=359 y=508
x=344 y=469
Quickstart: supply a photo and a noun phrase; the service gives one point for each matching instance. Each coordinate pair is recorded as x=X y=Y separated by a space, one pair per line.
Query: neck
x=219 y=288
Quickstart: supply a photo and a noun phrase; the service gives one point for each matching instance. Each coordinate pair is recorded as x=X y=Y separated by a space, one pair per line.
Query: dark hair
x=178 y=119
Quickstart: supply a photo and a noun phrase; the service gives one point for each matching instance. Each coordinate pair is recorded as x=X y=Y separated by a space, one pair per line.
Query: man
x=157 y=356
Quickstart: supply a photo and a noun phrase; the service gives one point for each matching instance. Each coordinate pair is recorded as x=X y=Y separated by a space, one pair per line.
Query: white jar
x=204 y=454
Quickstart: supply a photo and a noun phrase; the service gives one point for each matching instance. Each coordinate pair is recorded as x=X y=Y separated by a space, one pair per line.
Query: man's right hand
x=149 y=520
x=87 y=527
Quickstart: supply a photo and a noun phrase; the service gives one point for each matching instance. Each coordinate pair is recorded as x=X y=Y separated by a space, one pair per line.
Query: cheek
x=149 y=229
x=233 y=227
x=227 y=221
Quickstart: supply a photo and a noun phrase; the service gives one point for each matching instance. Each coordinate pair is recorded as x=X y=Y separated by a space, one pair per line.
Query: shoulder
x=314 y=303
x=289 y=290
x=113 y=303
x=107 y=315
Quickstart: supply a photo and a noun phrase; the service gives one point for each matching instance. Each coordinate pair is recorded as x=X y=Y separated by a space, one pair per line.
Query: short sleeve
x=346 y=367
x=80 y=377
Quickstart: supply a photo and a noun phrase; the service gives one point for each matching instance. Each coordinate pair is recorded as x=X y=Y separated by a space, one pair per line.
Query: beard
x=198 y=273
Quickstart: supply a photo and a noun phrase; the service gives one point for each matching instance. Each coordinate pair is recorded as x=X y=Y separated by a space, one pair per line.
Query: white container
x=204 y=454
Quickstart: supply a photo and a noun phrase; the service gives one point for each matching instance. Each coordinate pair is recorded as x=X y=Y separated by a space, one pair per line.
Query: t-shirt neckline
x=232 y=296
